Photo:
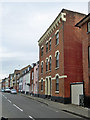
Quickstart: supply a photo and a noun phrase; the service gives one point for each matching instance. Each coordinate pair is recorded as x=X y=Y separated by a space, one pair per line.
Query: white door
x=76 y=90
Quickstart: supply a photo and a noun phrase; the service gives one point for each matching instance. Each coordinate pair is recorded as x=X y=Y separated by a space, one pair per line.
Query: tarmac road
x=17 y=106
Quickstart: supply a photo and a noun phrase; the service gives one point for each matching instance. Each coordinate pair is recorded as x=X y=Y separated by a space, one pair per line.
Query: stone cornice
x=53 y=26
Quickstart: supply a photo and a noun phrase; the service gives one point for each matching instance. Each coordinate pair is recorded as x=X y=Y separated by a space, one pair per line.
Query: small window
x=42 y=67
x=57 y=38
x=46 y=64
x=46 y=47
x=57 y=83
x=89 y=56
x=41 y=84
x=50 y=63
x=88 y=26
x=57 y=60
x=50 y=45
x=42 y=51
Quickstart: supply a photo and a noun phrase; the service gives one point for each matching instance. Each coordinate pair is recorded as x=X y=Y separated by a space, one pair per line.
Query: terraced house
x=60 y=57
x=84 y=26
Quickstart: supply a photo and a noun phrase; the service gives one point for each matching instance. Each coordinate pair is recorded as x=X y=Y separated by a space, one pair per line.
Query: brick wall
x=70 y=57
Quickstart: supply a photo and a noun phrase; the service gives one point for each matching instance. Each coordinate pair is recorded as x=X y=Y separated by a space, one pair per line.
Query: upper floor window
x=42 y=51
x=42 y=67
x=57 y=59
x=47 y=47
x=46 y=64
x=89 y=56
x=57 y=38
x=41 y=84
x=50 y=45
x=57 y=83
x=32 y=75
x=88 y=27
x=50 y=63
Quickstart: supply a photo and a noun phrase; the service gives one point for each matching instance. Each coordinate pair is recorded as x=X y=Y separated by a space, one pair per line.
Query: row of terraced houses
x=63 y=71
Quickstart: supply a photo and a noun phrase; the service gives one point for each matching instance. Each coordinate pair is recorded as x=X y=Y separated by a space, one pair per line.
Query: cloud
x=44 y=0
x=22 y=26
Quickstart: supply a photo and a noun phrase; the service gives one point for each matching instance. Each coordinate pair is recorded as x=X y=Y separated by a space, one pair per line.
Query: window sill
x=56 y=68
x=57 y=92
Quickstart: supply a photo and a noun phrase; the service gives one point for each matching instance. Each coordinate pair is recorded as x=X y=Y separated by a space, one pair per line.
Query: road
x=17 y=106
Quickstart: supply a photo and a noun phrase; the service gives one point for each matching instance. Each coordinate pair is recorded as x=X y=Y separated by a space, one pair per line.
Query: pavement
x=74 y=109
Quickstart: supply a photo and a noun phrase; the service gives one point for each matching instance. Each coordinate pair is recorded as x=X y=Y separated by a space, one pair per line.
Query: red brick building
x=60 y=56
x=84 y=26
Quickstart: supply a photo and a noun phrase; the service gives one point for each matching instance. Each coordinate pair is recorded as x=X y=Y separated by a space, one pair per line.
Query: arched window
x=57 y=83
x=57 y=38
x=47 y=47
x=50 y=45
x=42 y=50
x=42 y=84
x=50 y=63
x=46 y=64
x=57 y=60
x=42 y=67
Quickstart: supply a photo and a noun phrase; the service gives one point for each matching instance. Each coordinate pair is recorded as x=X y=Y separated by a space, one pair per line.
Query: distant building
x=36 y=80
x=24 y=79
x=16 y=79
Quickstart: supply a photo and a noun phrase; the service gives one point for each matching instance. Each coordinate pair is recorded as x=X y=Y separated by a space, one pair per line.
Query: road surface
x=17 y=106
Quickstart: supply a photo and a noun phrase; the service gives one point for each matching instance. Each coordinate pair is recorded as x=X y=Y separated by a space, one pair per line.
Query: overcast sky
x=22 y=23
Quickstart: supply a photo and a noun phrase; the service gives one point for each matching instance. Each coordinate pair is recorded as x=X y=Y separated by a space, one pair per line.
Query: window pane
x=41 y=84
x=57 y=60
x=57 y=38
x=89 y=56
x=88 y=26
x=57 y=83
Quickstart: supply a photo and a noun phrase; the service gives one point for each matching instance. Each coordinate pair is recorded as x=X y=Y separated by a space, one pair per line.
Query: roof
x=55 y=22
x=81 y=22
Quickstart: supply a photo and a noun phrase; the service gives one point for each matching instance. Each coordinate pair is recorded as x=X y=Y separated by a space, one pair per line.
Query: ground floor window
x=41 y=84
x=57 y=83
x=89 y=56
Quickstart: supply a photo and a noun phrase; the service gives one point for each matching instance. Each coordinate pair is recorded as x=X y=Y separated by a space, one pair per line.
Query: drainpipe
x=63 y=54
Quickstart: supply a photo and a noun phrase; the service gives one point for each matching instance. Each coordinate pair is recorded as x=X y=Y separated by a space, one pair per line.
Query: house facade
x=24 y=79
x=16 y=79
x=84 y=25
x=11 y=80
x=7 y=82
x=32 y=80
x=36 y=82
x=60 y=57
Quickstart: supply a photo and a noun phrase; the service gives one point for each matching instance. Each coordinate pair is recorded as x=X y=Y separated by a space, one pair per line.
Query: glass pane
x=89 y=56
x=89 y=27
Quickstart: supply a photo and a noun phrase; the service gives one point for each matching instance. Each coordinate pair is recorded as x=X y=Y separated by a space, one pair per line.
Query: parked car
x=7 y=90
x=13 y=91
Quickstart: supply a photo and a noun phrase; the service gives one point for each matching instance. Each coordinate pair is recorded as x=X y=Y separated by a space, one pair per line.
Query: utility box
x=81 y=100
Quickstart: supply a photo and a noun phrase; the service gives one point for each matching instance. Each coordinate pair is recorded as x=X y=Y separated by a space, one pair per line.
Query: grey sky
x=21 y=26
